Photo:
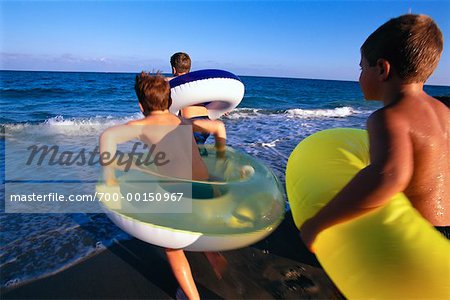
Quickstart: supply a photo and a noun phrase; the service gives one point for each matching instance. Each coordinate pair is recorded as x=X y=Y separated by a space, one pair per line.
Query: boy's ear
x=174 y=71
x=384 y=69
x=140 y=106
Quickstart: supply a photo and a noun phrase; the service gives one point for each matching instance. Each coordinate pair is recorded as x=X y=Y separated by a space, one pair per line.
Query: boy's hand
x=308 y=233
x=220 y=154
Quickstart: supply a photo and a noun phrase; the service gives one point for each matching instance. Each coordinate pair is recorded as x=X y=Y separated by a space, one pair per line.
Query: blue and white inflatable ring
x=219 y=91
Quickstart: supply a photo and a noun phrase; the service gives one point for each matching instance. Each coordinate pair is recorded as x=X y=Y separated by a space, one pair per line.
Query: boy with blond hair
x=409 y=137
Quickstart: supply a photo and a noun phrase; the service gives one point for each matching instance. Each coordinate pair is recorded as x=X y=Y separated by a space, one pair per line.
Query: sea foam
x=338 y=112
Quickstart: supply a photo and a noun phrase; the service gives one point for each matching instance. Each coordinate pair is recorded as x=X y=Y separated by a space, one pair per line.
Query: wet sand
x=278 y=267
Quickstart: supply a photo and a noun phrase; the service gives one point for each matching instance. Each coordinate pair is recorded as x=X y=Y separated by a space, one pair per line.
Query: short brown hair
x=412 y=44
x=181 y=62
x=152 y=91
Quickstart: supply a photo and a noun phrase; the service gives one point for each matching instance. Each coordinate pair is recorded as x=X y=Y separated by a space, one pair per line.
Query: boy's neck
x=158 y=112
x=396 y=90
x=179 y=73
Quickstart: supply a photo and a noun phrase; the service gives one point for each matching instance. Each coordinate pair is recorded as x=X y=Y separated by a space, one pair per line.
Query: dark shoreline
x=278 y=267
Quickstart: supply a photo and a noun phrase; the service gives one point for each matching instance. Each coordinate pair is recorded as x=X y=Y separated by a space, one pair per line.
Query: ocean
x=274 y=116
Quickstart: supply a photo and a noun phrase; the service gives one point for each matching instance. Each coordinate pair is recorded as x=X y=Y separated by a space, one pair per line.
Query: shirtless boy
x=409 y=137
x=156 y=129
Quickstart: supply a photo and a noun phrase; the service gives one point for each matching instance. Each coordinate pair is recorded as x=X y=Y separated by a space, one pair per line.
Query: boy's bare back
x=163 y=131
x=422 y=126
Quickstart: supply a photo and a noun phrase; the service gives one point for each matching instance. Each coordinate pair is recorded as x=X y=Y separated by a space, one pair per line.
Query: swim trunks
x=201 y=137
x=445 y=230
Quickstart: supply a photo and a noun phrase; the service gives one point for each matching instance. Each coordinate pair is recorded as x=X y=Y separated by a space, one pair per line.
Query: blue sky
x=305 y=39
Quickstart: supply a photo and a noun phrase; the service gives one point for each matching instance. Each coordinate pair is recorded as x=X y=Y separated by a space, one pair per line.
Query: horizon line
x=260 y=76
x=130 y=72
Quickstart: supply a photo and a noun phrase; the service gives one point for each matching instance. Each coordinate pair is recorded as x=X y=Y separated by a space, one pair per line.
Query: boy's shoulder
x=410 y=112
x=388 y=119
x=444 y=99
x=385 y=113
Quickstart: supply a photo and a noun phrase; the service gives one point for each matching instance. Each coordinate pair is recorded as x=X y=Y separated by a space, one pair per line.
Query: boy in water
x=153 y=94
x=409 y=137
x=181 y=64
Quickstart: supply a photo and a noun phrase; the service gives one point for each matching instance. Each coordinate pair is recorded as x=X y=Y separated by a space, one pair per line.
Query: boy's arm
x=215 y=127
x=109 y=140
x=390 y=170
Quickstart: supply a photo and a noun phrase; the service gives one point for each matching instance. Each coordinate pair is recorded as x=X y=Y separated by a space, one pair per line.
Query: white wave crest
x=251 y=113
x=338 y=112
x=72 y=126
x=94 y=121
x=243 y=113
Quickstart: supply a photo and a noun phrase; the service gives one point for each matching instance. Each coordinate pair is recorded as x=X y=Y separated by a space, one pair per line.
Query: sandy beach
x=278 y=267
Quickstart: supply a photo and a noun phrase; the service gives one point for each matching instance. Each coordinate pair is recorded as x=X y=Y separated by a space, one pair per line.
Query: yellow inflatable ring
x=390 y=253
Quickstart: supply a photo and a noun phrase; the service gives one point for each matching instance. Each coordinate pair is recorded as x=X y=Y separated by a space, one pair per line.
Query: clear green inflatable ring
x=245 y=206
